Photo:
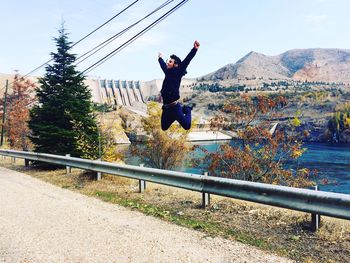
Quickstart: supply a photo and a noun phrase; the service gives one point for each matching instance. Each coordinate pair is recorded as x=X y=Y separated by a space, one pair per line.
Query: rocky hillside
x=329 y=65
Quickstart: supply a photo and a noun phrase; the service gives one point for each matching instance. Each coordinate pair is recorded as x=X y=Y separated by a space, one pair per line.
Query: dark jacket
x=171 y=83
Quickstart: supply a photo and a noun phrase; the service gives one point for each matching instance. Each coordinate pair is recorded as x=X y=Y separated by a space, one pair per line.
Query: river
x=332 y=161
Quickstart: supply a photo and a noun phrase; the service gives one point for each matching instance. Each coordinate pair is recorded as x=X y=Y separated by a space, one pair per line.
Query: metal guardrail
x=316 y=202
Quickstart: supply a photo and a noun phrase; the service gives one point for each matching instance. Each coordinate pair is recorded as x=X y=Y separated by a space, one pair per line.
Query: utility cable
x=105 y=23
x=128 y=42
x=111 y=39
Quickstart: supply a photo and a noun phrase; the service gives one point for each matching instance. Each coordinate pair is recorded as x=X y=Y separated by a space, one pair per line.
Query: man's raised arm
x=190 y=55
x=161 y=62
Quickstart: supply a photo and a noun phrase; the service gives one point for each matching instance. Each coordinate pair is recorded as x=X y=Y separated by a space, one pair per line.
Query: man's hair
x=176 y=59
x=178 y=62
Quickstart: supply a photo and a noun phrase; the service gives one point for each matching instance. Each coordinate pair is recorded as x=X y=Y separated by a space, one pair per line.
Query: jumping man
x=174 y=70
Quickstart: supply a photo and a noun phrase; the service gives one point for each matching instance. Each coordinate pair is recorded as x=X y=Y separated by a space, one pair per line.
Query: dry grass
x=282 y=231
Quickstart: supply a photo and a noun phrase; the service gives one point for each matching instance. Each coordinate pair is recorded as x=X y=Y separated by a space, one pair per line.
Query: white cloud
x=147 y=40
x=316 y=19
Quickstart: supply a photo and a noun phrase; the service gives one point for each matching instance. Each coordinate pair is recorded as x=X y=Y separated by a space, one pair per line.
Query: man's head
x=173 y=62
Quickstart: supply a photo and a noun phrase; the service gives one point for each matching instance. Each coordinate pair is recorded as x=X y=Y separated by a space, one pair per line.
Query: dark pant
x=176 y=113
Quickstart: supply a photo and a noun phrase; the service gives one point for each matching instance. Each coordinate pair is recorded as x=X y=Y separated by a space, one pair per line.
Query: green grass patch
x=106 y=196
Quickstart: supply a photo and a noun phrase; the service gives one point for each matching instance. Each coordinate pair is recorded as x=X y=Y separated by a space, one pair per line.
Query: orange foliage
x=18 y=113
x=258 y=155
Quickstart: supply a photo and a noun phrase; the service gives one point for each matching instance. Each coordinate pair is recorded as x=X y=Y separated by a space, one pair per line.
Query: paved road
x=43 y=223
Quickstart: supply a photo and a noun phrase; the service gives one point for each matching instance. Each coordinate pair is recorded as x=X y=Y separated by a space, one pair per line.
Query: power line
x=93 y=31
x=80 y=40
x=89 y=34
x=111 y=39
x=128 y=42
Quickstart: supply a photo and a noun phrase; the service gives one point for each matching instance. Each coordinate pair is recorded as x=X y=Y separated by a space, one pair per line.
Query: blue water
x=332 y=161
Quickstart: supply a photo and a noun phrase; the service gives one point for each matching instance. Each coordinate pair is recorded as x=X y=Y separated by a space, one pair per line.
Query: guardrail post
x=205 y=196
x=26 y=162
x=315 y=218
x=142 y=183
x=99 y=174
x=68 y=168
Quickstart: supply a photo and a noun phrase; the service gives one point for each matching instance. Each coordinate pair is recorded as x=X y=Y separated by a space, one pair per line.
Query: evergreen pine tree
x=63 y=122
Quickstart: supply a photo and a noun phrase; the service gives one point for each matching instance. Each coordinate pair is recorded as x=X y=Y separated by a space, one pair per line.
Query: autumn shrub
x=18 y=104
x=162 y=149
x=262 y=151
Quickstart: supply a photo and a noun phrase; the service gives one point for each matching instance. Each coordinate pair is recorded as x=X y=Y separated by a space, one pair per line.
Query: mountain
x=329 y=65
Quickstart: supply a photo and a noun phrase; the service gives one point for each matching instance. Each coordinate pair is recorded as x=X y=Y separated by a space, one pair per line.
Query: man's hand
x=196 y=44
x=160 y=55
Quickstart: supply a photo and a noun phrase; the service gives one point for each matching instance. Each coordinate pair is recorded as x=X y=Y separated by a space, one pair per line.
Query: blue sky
x=226 y=29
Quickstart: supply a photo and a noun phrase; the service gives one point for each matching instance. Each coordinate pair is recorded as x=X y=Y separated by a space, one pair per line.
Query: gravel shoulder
x=40 y=222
